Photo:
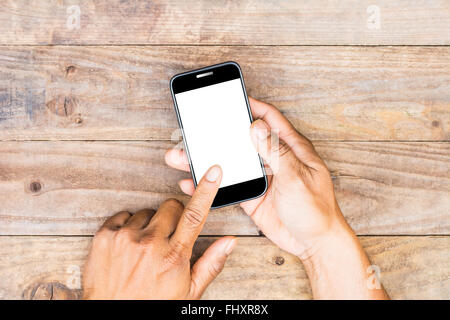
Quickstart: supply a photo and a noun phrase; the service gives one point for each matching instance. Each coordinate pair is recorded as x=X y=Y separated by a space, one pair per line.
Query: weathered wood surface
x=411 y=268
x=246 y=22
x=70 y=187
x=122 y=93
x=398 y=96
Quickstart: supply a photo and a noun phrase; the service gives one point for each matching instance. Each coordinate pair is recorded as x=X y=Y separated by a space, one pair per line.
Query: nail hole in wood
x=35 y=187
x=70 y=70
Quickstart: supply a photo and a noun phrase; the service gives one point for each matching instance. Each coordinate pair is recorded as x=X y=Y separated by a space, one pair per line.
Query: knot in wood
x=279 y=261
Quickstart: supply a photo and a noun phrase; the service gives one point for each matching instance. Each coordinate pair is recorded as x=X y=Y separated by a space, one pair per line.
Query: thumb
x=210 y=265
x=275 y=152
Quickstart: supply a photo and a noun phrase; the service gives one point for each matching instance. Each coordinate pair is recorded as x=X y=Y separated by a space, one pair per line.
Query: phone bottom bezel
x=240 y=192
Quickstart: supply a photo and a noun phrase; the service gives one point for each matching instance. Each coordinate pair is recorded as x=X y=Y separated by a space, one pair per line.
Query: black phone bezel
x=222 y=72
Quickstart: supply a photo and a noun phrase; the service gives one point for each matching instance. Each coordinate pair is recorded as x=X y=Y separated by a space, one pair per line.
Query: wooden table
x=86 y=116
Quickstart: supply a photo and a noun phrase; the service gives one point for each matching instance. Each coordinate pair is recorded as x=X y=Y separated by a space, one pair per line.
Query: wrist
x=337 y=266
x=339 y=235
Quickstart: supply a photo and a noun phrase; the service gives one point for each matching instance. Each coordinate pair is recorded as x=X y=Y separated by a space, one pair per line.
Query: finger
x=116 y=221
x=187 y=186
x=280 y=124
x=210 y=265
x=275 y=152
x=166 y=218
x=177 y=158
x=140 y=219
x=196 y=211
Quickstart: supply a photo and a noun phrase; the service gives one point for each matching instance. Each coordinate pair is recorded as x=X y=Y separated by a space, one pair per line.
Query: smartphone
x=214 y=116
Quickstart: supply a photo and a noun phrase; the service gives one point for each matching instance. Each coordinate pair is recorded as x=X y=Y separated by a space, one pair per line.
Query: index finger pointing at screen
x=196 y=211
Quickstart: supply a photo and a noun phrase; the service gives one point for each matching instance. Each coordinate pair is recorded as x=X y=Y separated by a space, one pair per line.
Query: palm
x=264 y=212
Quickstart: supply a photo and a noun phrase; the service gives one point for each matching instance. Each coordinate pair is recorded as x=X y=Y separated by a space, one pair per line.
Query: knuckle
x=120 y=214
x=306 y=140
x=194 y=215
x=321 y=166
x=173 y=203
x=300 y=137
x=175 y=258
x=302 y=141
x=148 y=240
x=98 y=243
x=214 y=269
x=283 y=149
x=101 y=239
x=124 y=234
x=178 y=254
x=145 y=212
x=102 y=233
x=303 y=171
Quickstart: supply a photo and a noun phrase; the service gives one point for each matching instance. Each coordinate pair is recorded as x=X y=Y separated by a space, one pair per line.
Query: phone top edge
x=178 y=75
x=209 y=67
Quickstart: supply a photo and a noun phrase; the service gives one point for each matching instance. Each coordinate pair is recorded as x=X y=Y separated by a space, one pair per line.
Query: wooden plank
x=122 y=93
x=411 y=268
x=69 y=188
x=72 y=187
x=391 y=188
x=247 y=22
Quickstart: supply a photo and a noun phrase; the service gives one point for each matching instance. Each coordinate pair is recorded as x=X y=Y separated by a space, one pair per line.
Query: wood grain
x=380 y=117
x=122 y=93
x=69 y=188
x=411 y=268
x=72 y=187
x=249 y=22
x=391 y=188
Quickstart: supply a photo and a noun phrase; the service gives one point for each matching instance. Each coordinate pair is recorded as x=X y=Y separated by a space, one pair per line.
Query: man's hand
x=299 y=212
x=147 y=255
x=299 y=206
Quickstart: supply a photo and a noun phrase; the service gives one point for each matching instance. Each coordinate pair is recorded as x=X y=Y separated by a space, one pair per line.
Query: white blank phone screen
x=216 y=126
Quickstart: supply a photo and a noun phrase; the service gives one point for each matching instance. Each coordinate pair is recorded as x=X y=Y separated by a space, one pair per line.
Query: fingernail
x=230 y=246
x=260 y=130
x=213 y=174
